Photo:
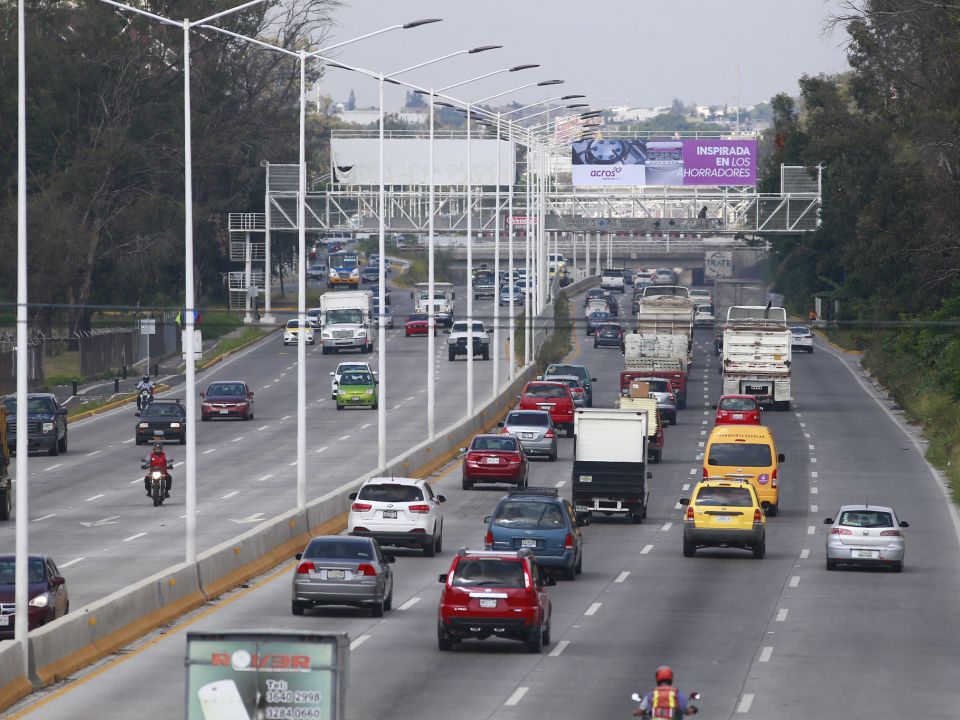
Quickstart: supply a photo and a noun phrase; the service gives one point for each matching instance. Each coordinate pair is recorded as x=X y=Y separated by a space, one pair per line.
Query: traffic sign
x=148 y=327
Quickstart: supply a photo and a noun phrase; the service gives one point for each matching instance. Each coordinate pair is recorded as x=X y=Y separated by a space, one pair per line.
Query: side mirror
x=539 y=377
x=299 y=556
x=487 y=519
x=461 y=450
x=250 y=394
x=389 y=559
x=684 y=501
x=781 y=458
x=57 y=581
x=352 y=496
x=442 y=577
x=203 y=394
x=694 y=696
x=441 y=498
x=904 y=523
x=828 y=521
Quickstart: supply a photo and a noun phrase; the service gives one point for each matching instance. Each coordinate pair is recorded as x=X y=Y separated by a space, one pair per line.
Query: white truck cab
x=443 y=297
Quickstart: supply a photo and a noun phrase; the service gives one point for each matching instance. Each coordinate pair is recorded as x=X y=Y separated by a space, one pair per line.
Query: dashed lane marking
x=811 y=529
x=178 y=464
x=129 y=440
x=666 y=526
x=134 y=537
x=345 y=437
x=285 y=417
x=357 y=642
x=72 y=562
x=95 y=452
x=814 y=490
x=561 y=646
x=805 y=553
x=814 y=474
x=237 y=439
x=263 y=427
x=560 y=483
x=693 y=471
x=53 y=467
x=320 y=449
x=230 y=495
x=813 y=460
x=811 y=447
x=516 y=697
x=745 y=702
x=686 y=486
x=265 y=477
x=592 y=610
x=95 y=497
x=45 y=517
x=622 y=576
x=814 y=508
x=795 y=581
x=646 y=549
x=782 y=615
x=765 y=654
x=365 y=426
x=409 y=603
x=207 y=452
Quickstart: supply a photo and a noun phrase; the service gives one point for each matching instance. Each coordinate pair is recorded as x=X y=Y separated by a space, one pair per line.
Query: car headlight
x=40 y=601
x=174 y=425
x=326 y=335
x=332 y=272
x=354 y=273
x=47 y=427
x=144 y=425
x=361 y=333
x=368 y=392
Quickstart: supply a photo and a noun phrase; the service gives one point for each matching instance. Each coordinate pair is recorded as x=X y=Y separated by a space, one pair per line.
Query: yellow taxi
x=724 y=513
x=746 y=452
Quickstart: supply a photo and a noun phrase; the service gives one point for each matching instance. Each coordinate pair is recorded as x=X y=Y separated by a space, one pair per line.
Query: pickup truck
x=460 y=339
x=612 y=279
x=47 y=421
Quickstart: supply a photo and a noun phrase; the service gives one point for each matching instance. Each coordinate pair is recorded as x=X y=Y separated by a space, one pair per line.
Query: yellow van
x=745 y=452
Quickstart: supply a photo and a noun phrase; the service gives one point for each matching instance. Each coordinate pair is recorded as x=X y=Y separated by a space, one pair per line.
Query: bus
x=343 y=269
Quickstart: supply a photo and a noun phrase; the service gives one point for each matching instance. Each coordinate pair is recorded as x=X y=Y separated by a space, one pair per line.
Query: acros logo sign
x=607 y=173
x=243 y=661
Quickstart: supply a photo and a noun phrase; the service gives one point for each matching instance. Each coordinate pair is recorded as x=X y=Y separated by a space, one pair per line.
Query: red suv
x=494 y=593
x=738 y=410
x=494 y=459
x=554 y=397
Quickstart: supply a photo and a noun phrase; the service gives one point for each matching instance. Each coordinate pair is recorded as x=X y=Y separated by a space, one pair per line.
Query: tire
x=657 y=456
x=137 y=440
x=535 y=641
x=438 y=545
x=467 y=484
x=673 y=419
x=54 y=449
x=375 y=406
x=204 y=418
x=546 y=637
x=429 y=550
x=183 y=439
x=595 y=344
x=63 y=444
x=637 y=518
x=388 y=603
x=155 y=494
x=297 y=608
x=451 y=356
x=578 y=568
x=682 y=402
x=569 y=573
x=553 y=456
x=444 y=643
x=339 y=406
x=377 y=609
x=486 y=355
x=831 y=564
x=5 y=505
x=772 y=510
x=897 y=567
x=760 y=550
x=324 y=351
x=689 y=549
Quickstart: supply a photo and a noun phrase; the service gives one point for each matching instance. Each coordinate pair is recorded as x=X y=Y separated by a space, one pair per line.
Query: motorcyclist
x=664 y=701
x=145 y=384
x=158 y=461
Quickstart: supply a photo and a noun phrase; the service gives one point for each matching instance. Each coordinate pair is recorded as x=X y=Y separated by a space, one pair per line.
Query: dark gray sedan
x=534 y=430
x=595 y=320
x=343 y=570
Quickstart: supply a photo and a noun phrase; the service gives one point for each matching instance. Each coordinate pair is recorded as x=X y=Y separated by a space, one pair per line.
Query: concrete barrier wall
x=14 y=683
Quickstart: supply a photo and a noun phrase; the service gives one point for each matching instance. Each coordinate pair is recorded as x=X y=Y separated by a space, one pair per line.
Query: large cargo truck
x=757 y=354
x=728 y=292
x=347 y=322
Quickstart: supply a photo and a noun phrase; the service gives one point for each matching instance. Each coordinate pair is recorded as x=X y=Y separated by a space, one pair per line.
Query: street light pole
x=381 y=389
x=302 y=297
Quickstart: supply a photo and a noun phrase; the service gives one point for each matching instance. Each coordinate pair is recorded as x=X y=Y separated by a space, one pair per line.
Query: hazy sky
x=637 y=52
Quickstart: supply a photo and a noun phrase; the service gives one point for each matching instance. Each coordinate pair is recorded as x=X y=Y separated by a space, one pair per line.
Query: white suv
x=347 y=367
x=402 y=512
x=462 y=342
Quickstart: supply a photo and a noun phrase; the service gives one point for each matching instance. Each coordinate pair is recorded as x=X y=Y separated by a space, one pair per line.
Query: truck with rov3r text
x=346 y=321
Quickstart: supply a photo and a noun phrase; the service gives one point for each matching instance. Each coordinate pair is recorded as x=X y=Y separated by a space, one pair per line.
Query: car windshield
x=226 y=389
x=740 y=455
x=577 y=370
x=799 y=330
x=729 y=496
x=345 y=316
x=350 y=367
x=356 y=378
x=865 y=518
x=544 y=391
x=8 y=568
x=737 y=404
x=657 y=385
x=600 y=315
x=293 y=324
x=488 y=572
x=156 y=409
x=390 y=493
x=417 y=318
x=38 y=406
x=501 y=443
x=529 y=515
x=339 y=550
x=540 y=419
x=461 y=327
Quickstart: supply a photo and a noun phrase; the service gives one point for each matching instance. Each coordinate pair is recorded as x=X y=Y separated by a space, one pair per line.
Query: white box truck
x=443 y=297
x=346 y=321
x=757 y=354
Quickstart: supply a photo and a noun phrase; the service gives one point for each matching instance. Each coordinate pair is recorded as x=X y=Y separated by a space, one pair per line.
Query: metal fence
x=105 y=350
x=8 y=367
x=165 y=341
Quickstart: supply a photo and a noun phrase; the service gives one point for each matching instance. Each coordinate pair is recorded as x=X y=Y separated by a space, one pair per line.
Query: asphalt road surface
x=774 y=638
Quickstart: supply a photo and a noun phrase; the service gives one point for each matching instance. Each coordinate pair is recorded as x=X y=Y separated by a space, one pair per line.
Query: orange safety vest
x=665 y=702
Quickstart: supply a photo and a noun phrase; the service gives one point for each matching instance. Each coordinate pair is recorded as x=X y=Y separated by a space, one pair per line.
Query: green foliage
x=418 y=270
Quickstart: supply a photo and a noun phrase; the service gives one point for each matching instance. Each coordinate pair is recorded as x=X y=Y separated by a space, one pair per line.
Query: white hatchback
x=402 y=512
x=801 y=338
x=346 y=367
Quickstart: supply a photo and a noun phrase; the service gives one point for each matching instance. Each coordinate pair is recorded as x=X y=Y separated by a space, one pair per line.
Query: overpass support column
x=598 y=254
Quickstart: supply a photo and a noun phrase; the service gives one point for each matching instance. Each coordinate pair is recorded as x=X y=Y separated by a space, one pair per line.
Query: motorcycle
x=144 y=398
x=691 y=708
x=158 y=486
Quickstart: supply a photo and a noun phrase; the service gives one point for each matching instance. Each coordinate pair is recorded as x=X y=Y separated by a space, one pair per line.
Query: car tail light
x=422 y=509
x=505 y=431
x=472 y=457
x=689 y=512
x=773 y=479
x=840 y=531
x=705 y=474
x=757 y=515
x=488 y=538
x=890 y=533
x=549 y=433
x=305 y=568
x=361 y=507
x=366 y=569
x=568 y=542
x=515 y=458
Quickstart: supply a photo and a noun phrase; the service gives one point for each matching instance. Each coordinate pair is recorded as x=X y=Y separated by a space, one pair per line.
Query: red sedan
x=554 y=397
x=494 y=459
x=419 y=324
x=232 y=398
x=738 y=410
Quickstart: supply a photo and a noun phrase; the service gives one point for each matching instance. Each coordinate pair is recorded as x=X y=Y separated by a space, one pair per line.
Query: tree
x=677 y=108
x=351 y=101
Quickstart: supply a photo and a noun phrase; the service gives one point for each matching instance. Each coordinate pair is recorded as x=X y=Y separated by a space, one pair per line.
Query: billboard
x=251 y=675
x=717 y=264
x=623 y=161
x=356 y=161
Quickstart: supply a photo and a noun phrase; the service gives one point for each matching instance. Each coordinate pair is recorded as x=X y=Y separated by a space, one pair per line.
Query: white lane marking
x=677 y=505
x=230 y=495
x=124 y=442
x=45 y=517
x=704 y=422
x=398 y=406
x=72 y=562
x=412 y=397
x=745 y=702
x=592 y=610
x=134 y=537
x=320 y=449
x=811 y=447
x=345 y=437
x=782 y=615
x=263 y=427
x=359 y=641
x=803 y=424
x=814 y=474
x=178 y=464
x=139 y=479
x=95 y=452
x=703 y=432
x=560 y=483
x=693 y=471
x=237 y=439
x=795 y=581
x=95 y=497
x=705 y=396
x=276 y=380
x=805 y=553
x=646 y=549
x=265 y=477
x=266 y=386
x=285 y=417
x=814 y=508
x=704 y=412
x=814 y=490
x=806 y=435
x=365 y=426
x=409 y=603
x=811 y=529
x=622 y=576
x=293 y=464
x=686 y=486
x=765 y=654
x=516 y=697
x=799 y=415
x=561 y=646
x=813 y=460
x=666 y=526
x=53 y=467
x=207 y=452
x=700 y=444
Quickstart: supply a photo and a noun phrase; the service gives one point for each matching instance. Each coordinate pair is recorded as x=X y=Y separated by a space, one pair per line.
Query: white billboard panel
x=356 y=161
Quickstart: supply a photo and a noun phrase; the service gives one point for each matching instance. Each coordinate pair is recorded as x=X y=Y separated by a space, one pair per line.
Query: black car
x=593 y=293
x=162 y=421
x=609 y=335
x=613 y=307
x=370 y=274
x=47 y=423
x=376 y=295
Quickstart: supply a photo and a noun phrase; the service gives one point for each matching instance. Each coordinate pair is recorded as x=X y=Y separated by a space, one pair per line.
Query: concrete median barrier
x=14 y=683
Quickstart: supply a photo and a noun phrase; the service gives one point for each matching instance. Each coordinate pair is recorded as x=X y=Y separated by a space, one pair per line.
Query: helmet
x=146 y=377
x=664 y=674
x=158 y=448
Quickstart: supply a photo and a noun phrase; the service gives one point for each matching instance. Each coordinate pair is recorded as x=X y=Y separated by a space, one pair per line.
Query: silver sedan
x=534 y=429
x=866 y=535
x=342 y=570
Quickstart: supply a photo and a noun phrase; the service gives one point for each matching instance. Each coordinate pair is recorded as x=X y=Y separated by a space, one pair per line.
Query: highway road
x=774 y=638
x=88 y=509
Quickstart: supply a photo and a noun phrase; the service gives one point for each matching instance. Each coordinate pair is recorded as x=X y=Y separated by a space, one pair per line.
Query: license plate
x=390 y=514
x=336 y=574
x=545 y=406
x=866 y=553
x=527 y=436
x=756 y=388
x=528 y=542
x=492 y=461
x=158 y=432
x=224 y=412
x=738 y=416
x=5 y=620
x=488 y=602
x=723 y=518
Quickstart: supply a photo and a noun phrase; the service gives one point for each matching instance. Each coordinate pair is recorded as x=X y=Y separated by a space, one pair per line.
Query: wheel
x=546 y=637
x=339 y=406
x=673 y=419
x=137 y=440
x=251 y=416
x=644 y=511
x=63 y=444
x=388 y=603
x=759 y=550
x=831 y=564
x=897 y=566
x=54 y=449
x=569 y=573
x=553 y=456
x=772 y=510
x=637 y=518
x=596 y=344
x=657 y=456
x=467 y=484
x=451 y=356
x=438 y=545
x=155 y=495
x=376 y=610
x=204 y=418
x=324 y=351
x=689 y=549
x=579 y=566
x=535 y=641
x=444 y=643
x=5 y=506
x=682 y=402
x=429 y=550
x=374 y=406
x=298 y=608
x=183 y=439
x=486 y=355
